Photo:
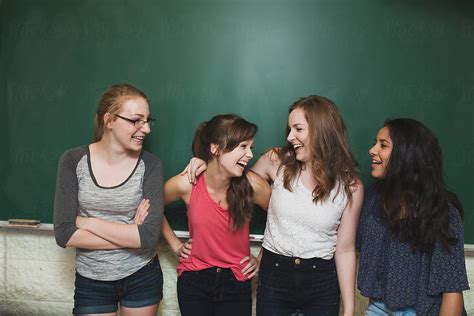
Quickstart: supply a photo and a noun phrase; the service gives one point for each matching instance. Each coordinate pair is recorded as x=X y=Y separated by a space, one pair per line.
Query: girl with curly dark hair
x=410 y=233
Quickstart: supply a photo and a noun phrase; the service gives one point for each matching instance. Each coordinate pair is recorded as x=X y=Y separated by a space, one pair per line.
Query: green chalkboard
x=375 y=59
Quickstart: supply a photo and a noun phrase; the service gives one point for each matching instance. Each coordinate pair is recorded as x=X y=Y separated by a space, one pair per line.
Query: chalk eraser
x=23 y=222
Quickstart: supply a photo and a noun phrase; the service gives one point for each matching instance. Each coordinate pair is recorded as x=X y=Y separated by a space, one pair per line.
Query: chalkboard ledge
x=42 y=227
x=179 y=233
x=468 y=248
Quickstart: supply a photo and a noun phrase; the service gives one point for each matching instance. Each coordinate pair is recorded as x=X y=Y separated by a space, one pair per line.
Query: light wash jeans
x=378 y=308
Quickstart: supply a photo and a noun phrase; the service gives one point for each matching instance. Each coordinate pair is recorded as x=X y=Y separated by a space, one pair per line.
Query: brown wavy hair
x=228 y=131
x=111 y=102
x=331 y=159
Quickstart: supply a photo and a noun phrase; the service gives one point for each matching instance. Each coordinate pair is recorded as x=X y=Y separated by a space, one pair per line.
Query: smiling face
x=380 y=153
x=126 y=133
x=298 y=135
x=234 y=161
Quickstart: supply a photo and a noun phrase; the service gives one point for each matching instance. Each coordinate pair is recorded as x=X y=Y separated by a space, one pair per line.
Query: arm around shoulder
x=267 y=165
x=176 y=188
x=261 y=189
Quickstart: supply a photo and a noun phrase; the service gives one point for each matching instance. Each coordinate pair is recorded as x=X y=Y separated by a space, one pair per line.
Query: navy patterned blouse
x=391 y=272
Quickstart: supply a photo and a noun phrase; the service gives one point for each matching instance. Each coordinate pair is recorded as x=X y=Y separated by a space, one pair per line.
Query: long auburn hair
x=111 y=102
x=415 y=199
x=332 y=161
x=228 y=131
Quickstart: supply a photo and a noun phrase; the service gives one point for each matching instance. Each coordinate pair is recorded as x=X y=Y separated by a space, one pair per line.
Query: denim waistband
x=211 y=270
x=297 y=263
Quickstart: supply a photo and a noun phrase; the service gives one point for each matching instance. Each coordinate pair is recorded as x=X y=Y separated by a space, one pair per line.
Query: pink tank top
x=215 y=244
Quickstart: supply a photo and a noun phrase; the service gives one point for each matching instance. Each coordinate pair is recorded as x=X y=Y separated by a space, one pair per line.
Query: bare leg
x=108 y=314
x=141 y=311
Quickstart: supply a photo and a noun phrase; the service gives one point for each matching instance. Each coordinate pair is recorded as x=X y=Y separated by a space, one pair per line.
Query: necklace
x=217 y=194
x=220 y=200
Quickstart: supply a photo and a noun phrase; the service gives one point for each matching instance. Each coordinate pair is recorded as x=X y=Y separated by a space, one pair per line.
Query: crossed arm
x=93 y=233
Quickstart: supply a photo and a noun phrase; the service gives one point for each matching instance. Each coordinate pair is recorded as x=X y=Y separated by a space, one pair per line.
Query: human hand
x=142 y=212
x=252 y=266
x=184 y=249
x=195 y=167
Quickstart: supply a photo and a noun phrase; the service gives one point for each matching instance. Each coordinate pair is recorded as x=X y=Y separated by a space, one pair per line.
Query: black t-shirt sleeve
x=65 y=198
x=149 y=231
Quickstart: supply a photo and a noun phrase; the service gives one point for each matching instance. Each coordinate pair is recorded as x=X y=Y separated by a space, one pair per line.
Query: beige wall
x=37 y=276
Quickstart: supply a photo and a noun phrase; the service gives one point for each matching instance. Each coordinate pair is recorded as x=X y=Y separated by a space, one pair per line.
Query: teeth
x=376 y=162
x=297 y=146
x=243 y=164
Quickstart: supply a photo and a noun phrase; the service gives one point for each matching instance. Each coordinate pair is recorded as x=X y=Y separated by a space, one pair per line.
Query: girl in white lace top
x=308 y=258
x=309 y=243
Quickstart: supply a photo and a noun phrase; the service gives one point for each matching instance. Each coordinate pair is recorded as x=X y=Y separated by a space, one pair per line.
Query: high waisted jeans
x=295 y=286
x=212 y=292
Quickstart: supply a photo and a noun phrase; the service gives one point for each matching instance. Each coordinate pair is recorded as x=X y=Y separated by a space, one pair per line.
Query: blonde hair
x=111 y=102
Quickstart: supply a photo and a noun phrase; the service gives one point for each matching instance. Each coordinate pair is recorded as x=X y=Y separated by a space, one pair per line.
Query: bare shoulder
x=261 y=189
x=177 y=187
x=272 y=156
x=255 y=180
x=268 y=163
x=357 y=187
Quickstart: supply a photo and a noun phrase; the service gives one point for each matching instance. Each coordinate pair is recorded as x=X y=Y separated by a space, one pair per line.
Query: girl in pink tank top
x=215 y=264
x=308 y=260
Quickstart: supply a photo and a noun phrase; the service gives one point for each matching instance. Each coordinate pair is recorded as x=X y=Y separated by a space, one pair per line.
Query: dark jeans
x=294 y=286
x=213 y=291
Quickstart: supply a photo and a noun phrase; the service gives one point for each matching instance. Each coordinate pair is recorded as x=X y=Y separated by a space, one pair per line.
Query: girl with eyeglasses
x=109 y=205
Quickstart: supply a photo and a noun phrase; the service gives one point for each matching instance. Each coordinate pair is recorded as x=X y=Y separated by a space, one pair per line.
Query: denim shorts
x=142 y=288
x=296 y=286
x=213 y=291
x=378 y=308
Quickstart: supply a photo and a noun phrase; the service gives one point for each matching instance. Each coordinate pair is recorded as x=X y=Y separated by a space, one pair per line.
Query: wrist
x=177 y=247
x=349 y=311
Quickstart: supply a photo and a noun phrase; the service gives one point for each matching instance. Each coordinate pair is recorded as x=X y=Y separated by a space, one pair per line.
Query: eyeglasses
x=138 y=123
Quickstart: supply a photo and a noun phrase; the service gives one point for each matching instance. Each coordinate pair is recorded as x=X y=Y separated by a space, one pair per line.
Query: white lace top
x=297 y=227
